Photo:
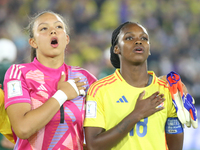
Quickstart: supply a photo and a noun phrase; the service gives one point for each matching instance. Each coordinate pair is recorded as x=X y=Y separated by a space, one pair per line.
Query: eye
x=60 y=27
x=44 y=28
x=129 y=38
x=144 y=38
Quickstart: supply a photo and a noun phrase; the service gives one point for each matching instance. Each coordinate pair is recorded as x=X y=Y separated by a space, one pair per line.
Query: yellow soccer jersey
x=5 y=126
x=111 y=99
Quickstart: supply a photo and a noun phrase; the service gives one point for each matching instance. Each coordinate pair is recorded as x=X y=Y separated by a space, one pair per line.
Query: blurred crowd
x=173 y=28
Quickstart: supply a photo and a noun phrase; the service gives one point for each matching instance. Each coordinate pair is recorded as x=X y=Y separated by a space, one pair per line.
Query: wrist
x=60 y=96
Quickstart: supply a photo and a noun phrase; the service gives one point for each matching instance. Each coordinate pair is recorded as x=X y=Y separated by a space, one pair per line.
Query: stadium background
x=173 y=27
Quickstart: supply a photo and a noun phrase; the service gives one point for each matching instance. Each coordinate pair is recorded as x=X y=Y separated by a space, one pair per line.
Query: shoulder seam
x=98 y=84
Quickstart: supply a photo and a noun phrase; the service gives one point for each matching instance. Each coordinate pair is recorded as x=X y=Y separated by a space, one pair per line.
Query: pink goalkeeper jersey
x=34 y=83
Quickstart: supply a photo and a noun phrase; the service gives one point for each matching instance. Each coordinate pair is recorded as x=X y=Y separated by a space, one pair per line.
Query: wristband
x=60 y=96
x=73 y=84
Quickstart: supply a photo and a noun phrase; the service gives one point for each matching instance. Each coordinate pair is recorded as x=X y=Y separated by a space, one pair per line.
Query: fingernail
x=63 y=72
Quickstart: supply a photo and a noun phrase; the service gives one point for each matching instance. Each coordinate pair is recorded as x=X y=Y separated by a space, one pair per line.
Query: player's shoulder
x=102 y=84
x=17 y=69
x=20 y=66
x=161 y=82
x=80 y=70
x=76 y=71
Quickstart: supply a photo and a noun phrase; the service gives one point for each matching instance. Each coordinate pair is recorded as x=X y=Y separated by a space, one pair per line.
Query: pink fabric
x=38 y=84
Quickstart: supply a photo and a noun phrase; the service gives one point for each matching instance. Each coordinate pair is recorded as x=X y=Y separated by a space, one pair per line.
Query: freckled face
x=50 y=38
x=133 y=44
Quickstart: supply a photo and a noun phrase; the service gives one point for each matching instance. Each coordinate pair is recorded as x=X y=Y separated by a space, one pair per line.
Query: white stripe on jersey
x=12 y=71
x=17 y=73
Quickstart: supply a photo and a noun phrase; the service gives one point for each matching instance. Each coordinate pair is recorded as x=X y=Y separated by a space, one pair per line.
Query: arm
x=175 y=141
x=25 y=121
x=98 y=138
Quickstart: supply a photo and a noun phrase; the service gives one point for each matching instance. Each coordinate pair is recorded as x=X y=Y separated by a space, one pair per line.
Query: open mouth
x=139 y=50
x=54 y=42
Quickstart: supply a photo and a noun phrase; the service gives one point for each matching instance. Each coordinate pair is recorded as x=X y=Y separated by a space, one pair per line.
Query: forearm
x=175 y=141
x=108 y=139
x=30 y=121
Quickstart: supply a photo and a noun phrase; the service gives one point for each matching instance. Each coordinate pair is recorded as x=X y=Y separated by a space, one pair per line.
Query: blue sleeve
x=173 y=126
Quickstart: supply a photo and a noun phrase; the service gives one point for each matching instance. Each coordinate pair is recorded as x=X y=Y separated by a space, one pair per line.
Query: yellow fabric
x=5 y=126
x=115 y=99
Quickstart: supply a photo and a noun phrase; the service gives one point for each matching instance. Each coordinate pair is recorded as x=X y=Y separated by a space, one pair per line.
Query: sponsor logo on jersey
x=122 y=100
x=41 y=87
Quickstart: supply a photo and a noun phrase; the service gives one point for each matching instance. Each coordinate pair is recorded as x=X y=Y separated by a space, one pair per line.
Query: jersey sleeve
x=95 y=115
x=171 y=111
x=15 y=87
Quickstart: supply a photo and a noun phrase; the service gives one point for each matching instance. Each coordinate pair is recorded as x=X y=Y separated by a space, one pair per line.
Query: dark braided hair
x=114 y=58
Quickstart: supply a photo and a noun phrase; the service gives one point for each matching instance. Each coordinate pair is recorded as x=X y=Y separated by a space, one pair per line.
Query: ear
x=116 y=50
x=67 y=38
x=33 y=43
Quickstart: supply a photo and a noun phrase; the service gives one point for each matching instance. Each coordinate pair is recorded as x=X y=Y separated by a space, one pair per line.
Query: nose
x=53 y=32
x=138 y=42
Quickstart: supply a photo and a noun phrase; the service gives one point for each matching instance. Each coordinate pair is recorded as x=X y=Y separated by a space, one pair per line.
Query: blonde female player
x=45 y=99
x=129 y=109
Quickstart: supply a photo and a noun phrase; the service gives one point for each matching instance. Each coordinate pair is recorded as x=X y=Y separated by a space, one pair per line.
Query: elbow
x=91 y=146
x=23 y=133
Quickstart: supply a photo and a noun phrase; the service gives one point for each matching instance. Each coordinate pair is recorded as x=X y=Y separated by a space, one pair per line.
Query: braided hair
x=114 y=58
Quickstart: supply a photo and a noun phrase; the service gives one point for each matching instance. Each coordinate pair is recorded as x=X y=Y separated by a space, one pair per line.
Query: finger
x=159 y=109
x=185 y=91
x=82 y=92
x=161 y=95
x=73 y=85
x=81 y=88
x=77 y=79
x=141 y=95
x=159 y=103
x=163 y=78
x=154 y=95
x=80 y=83
x=62 y=78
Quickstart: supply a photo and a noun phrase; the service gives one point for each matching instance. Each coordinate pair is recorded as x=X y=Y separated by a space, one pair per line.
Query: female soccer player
x=129 y=109
x=45 y=99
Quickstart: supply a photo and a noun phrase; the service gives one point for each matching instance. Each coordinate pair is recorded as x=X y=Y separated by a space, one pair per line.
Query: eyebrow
x=132 y=33
x=47 y=23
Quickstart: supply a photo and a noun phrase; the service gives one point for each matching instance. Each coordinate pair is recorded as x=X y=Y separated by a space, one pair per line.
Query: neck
x=51 y=62
x=136 y=76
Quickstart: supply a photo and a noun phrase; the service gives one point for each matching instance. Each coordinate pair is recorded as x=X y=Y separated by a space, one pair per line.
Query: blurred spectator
x=8 y=53
x=107 y=68
x=173 y=27
x=174 y=32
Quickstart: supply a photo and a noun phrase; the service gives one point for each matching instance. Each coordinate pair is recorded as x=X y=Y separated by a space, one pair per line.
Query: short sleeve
x=15 y=87
x=171 y=111
x=95 y=115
